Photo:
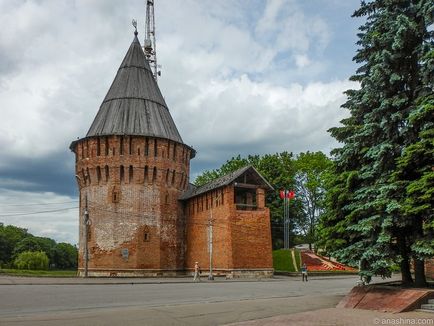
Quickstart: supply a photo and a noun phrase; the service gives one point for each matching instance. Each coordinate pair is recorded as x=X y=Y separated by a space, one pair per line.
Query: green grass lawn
x=49 y=273
x=282 y=260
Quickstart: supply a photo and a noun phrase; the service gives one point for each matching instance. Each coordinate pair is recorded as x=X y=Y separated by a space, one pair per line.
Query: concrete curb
x=34 y=280
x=122 y=282
x=298 y=274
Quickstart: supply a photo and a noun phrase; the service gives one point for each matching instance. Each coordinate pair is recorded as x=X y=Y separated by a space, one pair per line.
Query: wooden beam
x=246 y=185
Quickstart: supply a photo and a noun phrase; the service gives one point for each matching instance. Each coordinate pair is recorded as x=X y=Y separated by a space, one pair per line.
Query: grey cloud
x=230 y=89
x=53 y=173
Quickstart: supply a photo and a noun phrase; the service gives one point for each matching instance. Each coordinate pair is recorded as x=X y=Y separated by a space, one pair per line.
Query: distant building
x=145 y=218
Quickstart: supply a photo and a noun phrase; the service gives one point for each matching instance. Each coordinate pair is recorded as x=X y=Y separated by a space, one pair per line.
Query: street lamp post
x=210 y=243
x=286 y=195
x=86 y=251
x=87 y=222
x=210 y=276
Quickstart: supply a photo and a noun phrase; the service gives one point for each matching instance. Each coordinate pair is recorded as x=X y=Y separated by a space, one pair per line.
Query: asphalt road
x=167 y=304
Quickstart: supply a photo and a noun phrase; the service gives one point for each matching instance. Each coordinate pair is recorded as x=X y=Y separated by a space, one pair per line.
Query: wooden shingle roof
x=134 y=104
x=225 y=180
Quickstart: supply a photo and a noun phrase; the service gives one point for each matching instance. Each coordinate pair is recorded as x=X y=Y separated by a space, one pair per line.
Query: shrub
x=32 y=260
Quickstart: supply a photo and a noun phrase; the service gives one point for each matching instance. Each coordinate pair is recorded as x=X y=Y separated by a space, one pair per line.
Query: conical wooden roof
x=134 y=104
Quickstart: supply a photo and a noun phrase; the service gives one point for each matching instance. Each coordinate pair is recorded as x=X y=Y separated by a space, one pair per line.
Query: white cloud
x=226 y=71
x=289 y=28
x=302 y=60
x=56 y=216
x=240 y=112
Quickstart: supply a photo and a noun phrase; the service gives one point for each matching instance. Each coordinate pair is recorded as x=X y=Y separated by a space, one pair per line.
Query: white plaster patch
x=109 y=235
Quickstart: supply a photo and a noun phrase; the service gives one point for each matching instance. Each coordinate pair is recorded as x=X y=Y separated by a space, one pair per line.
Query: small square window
x=115 y=197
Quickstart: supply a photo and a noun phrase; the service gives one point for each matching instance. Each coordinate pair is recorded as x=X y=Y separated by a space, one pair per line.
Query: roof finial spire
x=134 y=23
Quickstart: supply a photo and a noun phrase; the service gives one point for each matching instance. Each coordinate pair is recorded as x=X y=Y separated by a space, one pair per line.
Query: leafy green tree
x=10 y=235
x=4 y=248
x=231 y=165
x=32 y=243
x=67 y=256
x=15 y=240
x=32 y=260
x=311 y=170
x=279 y=170
x=365 y=202
x=415 y=180
x=332 y=227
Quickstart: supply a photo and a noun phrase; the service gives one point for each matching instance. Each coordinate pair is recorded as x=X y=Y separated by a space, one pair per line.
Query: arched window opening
x=167 y=176
x=98 y=147
x=121 y=173
x=83 y=181
x=146 y=147
x=130 y=174
x=107 y=173
x=106 y=149
x=115 y=196
x=173 y=177
x=155 y=148
x=154 y=175
x=174 y=152
x=130 y=145
x=98 y=174
x=146 y=234
x=181 y=182
x=88 y=176
x=145 y=177
x=121 y=145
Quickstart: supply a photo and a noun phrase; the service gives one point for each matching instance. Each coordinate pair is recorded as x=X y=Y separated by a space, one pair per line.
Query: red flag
x=282 y=194
x=291 y=194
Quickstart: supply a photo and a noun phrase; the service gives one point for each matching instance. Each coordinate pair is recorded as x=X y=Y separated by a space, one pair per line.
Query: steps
x=427 y=307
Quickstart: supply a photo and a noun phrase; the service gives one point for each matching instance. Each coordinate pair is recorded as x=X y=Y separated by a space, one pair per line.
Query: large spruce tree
x=370 y=220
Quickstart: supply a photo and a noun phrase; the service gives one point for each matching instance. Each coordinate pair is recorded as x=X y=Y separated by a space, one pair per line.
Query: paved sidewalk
x=28 y=280
x=344 y=317
x=47 y=280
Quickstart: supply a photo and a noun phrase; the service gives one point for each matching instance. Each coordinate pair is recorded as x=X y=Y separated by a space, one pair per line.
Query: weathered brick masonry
x=145 y=218
x=132 y=185
x=241 y=226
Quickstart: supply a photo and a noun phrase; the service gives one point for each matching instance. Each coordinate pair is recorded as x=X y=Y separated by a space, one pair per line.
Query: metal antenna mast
x=149 y=46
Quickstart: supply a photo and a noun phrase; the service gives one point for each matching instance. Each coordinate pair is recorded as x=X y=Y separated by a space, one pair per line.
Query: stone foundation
x=229 y=274
x=131 y=273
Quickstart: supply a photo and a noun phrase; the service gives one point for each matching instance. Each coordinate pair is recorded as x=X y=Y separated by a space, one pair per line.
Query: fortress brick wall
x=132 y=170
x=241 y=238
x=131 y=185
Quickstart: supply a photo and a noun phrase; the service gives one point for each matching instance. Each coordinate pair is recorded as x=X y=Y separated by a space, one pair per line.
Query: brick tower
x=131 y=168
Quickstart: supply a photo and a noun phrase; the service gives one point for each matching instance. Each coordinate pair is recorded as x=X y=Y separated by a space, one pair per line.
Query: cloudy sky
x=239 y=77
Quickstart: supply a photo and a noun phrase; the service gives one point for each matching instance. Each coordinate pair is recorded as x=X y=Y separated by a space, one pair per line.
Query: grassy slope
x=282 y=260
